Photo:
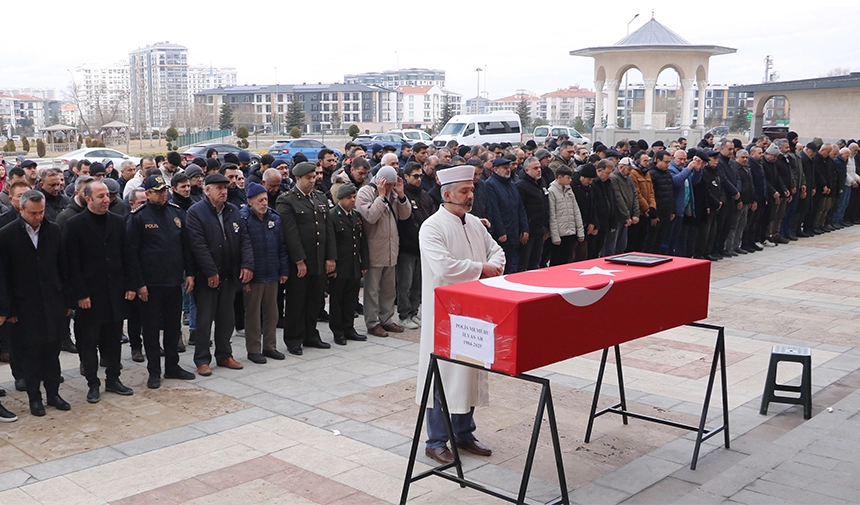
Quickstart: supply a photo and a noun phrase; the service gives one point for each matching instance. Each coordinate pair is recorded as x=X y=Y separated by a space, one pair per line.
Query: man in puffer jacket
x=565 y=219
x=626 y=207
x=271 y=268
x=664 y=195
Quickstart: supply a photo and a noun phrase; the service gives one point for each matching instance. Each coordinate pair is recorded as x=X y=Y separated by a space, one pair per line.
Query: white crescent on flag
x=579 y=297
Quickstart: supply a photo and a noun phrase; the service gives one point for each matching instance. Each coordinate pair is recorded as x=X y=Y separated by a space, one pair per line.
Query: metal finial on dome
x=652 y=12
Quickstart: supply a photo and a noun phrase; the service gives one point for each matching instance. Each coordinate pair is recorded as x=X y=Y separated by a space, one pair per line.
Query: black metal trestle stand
x=544 y=403
x=702 y=433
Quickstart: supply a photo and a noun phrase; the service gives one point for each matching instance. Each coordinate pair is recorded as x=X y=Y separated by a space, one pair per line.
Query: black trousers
x=707 y=235
x=304 y=296
x=725 y=221
x=656 y=235
x=94 y=339
x=530 y=253
x=134 y=324
x=239 y=310
x=595 y=243
x=636 y=234
x=164 y=307
x=562 y=254
x=37 y=364
x=213 y=306
x=342 y=302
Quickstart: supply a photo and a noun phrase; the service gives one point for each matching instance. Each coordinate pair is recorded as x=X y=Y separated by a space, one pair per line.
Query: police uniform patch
x=271 y=224
x=178 y=222
x=235 y=227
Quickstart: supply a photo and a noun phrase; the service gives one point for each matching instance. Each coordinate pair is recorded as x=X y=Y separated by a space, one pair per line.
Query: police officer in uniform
x=160 y=264
x=352 y=261
x=309 y=234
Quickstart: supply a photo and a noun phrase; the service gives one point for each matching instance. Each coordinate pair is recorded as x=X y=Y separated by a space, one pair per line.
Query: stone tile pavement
x=335 y=426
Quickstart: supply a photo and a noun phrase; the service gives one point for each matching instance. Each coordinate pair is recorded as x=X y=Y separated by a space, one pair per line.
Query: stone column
x=703 y=96
x=612 y=103
x=598 y=104
x=649 y=103
x=686 y=103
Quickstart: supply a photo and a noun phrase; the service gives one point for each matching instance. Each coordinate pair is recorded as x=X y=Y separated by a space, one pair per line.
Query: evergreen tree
x=524 y=113
x=225 y=119
x=739 y=121
x=446 y=113
x=295 y=114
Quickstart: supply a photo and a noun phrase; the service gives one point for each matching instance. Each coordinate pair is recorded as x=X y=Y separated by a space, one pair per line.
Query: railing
x=196 y=138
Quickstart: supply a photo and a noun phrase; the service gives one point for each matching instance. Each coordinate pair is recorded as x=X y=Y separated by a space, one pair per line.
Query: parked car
x=774 y=132
x=286 y=148
x=94 y=154
x=199 y=150
x=413 y=136
x=474 y=129
x=386 y=139
x=543 y=133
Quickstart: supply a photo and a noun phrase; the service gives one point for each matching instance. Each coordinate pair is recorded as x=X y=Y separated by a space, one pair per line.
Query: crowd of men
x=131 y=253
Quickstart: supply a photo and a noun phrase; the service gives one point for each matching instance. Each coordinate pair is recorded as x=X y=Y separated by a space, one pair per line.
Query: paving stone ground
x=335 y=426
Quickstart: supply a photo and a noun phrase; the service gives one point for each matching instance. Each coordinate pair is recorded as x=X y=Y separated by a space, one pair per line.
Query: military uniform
x=352 y=259
x=161 y=261
x=309 y=235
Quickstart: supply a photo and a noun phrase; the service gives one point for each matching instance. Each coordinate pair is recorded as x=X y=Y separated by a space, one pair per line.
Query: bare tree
x=72 y=93
x=833 y=72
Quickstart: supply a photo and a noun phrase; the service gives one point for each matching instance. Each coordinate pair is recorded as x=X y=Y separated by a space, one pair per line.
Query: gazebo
x=650 y=49
x=117 y=126
x=66 y=129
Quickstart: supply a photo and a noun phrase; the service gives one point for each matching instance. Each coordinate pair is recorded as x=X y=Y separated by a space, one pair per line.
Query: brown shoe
x=393 y=327
x=230 y=363
x=441 y=455
x=378 y=331
x=137 y=356
x=474 y=447
x=204 y=370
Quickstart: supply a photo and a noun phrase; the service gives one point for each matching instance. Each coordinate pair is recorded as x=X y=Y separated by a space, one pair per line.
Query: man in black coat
x=55 y=200
x=581 y=184
x=408 y=269
x=664 y=195
x=100 y=281
x=32 y=256
x=160 y=263
x=352 y=261
x=730 y=181
x=222 y=256
x=535 y=197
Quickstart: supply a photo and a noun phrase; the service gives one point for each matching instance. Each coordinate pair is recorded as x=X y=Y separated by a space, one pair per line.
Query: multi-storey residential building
x=326 y=106
x=102 y=93
x=421 y=106
x=158 y=77
x=8 y=119
x=512 y=103
x=203 y=77
x=69 y=114
x=42 y=112
x=563 y=106
x=392 y=79
x=48 y=93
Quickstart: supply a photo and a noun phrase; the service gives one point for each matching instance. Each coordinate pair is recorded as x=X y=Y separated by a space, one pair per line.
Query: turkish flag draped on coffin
x=519 y=322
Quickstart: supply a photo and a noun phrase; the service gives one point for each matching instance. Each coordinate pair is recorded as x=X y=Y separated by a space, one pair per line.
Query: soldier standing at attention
x=352 y=262
x=309 y=234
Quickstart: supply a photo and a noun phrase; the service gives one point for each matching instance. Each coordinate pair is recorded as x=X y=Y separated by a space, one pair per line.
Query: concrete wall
x=830 y=114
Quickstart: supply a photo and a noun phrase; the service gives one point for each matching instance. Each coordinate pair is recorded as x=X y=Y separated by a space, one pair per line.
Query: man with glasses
x=408 y=270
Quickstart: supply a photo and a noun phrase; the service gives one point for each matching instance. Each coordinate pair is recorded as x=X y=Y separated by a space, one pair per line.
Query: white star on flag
x=595 y=271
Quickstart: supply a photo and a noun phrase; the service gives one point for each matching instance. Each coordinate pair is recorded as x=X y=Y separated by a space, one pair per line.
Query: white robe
x=451 y=253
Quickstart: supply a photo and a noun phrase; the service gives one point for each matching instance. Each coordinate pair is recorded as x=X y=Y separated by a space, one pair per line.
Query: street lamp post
x=625 y=75
x=478 y=93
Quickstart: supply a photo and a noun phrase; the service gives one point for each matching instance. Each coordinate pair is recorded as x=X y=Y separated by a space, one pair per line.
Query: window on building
x=315 y=107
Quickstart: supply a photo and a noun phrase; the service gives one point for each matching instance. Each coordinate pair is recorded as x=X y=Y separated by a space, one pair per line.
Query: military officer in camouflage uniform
x=352 y=262
x=309 y=234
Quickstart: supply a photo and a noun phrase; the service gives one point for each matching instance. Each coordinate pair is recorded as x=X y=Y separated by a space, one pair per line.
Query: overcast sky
x=522 y=45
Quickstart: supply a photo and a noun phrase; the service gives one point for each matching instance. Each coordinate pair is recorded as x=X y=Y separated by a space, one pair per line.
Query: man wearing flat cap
x=222 y=255
x=353 y=260
x=309 y=235
x=455 y=247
